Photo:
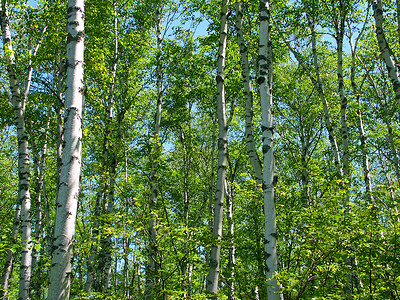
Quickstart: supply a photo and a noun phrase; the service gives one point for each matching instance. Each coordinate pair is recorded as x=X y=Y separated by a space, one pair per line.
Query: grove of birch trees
x=189 y=149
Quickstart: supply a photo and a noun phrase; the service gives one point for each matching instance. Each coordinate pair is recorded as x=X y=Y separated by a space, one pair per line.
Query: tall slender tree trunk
x=387 y=121
x=305 y=176
x=248 y=96
x=319 y=86
x=360 y=125
x=212 y=177
x=110 y=149
x=152 y=270
x=386 y=51
x=68 y=189
x=187 y=162
x=213 y=274
x=339 y=28
x=249 y=130
x=269 y=172
x=39 y=171
x=18 y=100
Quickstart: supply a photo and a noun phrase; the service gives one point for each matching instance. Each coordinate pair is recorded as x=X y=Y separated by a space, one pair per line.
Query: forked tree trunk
x=249 y=131
x=68 y=189
x=269 y=172
x=213 y=274
x=248 y=96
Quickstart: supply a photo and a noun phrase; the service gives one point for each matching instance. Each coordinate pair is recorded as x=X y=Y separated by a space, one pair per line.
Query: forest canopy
x=188 y=149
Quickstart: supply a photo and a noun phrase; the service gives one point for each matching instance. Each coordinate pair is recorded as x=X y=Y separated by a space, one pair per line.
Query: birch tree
x=267 y=127
x=386 y=51
x=23 y=210
x=152 y=270
x=213 y=274
x=248 y=95
x=68 y=189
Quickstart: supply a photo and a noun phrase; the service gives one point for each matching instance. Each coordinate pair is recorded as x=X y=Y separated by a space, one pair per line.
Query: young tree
x=213 y=275
x=269 y=171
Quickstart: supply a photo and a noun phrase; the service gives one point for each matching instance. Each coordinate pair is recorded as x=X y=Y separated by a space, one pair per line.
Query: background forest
x=147 y=222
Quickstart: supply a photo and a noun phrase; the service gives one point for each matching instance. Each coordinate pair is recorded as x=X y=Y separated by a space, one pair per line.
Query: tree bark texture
x=269 y=172
x=386 y=51
x=248 y=95
x=68 y=189
x=339 y=29
x=213 y=275
x=18 y=102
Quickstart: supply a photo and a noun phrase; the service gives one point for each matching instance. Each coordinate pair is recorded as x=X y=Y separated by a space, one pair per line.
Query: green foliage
x=321 y=244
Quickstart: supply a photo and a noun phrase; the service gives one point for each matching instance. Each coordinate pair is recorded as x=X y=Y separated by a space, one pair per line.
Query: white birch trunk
x=248 y=96
x=385 y=49
x=213 y=275
x=339 y=28
x=68 y=189
x=19 y=101
x=265 y=85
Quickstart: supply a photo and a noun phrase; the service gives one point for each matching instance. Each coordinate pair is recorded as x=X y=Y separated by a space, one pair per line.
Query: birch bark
x=269 y=172
x=68 y=189
x=249 y=128
x=386 y=51
x=213 y=274
x=18 y=101
x=339 y=29
x=248 y=96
